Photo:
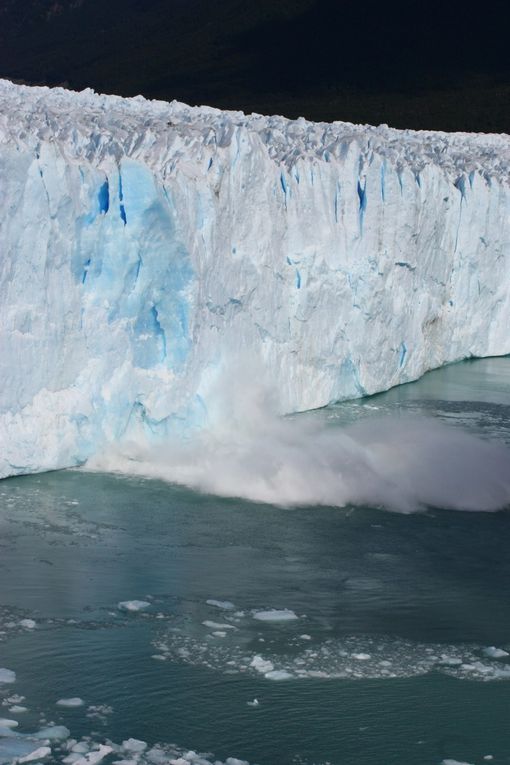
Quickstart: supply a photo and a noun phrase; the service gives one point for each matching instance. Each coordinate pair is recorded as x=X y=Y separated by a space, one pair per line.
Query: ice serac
x=143 y=243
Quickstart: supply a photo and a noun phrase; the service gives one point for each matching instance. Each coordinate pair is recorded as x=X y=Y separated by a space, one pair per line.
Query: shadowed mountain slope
x=409 y=64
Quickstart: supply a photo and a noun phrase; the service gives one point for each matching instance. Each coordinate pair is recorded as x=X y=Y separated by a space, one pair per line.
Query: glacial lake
x=213 y=628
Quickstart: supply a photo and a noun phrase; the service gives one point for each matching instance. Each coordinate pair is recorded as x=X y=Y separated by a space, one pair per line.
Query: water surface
x=390 y=643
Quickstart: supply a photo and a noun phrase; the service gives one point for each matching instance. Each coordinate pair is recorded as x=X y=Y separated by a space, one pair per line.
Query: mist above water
x=247 y=450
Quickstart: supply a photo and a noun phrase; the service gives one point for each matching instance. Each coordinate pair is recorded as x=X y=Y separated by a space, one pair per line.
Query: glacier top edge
x=32 y=113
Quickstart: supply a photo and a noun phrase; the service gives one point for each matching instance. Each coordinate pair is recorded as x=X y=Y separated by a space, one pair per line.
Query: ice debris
x=133 y=605
x=275 y=615
x=75 y=701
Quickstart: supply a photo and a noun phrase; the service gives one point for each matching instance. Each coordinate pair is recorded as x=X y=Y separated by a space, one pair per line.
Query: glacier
x=145 y=243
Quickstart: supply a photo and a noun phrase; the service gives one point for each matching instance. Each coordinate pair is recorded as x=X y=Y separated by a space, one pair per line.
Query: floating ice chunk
x=134 y=745
x=53 y=733
x=254 y=703
x=278 y=674
x=488 y=757
x=261 y=665
x=80 y=748
x=14 y=699
x=17 y=710
x=7 y=676
x=72 y=702
x=14 y=747
x=218 y=626
x=92 y=758
x=192 y=758
x=99 y=711
x=275 y=615
x=219 y=633
x=37 y=754
x=501 y=674
x=454 y=762
x=305 y=637
x=8 y=723
x=28 y=624
x=225 y=605
x=495 y=653
x=450 y=661
x=133 y=605
x=361 y=656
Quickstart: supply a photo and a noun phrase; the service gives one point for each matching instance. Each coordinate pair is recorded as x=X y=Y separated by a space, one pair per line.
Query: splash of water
x=247 y=450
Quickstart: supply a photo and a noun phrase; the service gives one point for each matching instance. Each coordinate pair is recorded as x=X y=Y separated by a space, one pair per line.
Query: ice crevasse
x=142 y=243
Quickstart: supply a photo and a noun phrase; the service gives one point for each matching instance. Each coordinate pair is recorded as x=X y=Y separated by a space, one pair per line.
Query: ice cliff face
x=141 y=243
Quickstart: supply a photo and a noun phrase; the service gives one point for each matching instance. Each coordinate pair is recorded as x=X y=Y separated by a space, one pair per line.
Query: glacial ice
x=4 y=723
x=495 y=653
x=17 y=748
x=38 y=754
x=145 y=243
x=52 y=733
x=28 y=624
x=224 y=605
x=70 y=703
x=7 y=676
x=217 y=626
x=133 y=605
x=275 y=615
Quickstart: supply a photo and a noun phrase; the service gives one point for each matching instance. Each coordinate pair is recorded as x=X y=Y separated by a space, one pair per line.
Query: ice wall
x=144 y=243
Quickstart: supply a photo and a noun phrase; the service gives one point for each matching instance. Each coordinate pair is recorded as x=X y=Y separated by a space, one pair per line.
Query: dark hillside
x=410 y=64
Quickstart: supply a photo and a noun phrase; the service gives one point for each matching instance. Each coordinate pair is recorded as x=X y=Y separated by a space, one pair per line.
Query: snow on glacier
x=144 y=243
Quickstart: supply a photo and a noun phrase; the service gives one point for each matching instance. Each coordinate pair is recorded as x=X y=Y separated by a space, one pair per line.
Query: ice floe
x=38 y=754
x=4 y=723
x=275 y=615
x=53 y=733
x=133 y=605
x=261 y=665
x=224 y=605
x=495 y=653
x=75 y=701
x=28 y=624
x=218 y=625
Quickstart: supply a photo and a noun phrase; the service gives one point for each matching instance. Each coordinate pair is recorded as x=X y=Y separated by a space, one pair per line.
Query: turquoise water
x=389 y=647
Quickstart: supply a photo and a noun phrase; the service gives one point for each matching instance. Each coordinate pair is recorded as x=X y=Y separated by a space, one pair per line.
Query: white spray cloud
x=247 y=450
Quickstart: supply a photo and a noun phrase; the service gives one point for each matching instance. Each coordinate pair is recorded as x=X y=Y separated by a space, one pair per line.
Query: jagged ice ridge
x=142 y=243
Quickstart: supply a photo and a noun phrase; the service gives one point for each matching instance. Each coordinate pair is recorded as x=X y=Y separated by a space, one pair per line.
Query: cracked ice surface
x=143 y=243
